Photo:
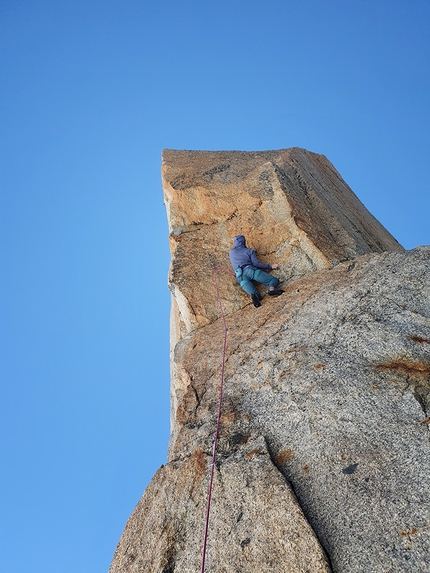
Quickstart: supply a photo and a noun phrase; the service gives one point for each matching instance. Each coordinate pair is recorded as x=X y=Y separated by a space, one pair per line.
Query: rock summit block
x=292 y=206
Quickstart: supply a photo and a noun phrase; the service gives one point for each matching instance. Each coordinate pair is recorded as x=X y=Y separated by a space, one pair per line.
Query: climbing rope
x=215 y=438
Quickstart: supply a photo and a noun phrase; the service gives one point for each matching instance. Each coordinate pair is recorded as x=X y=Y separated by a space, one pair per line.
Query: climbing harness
x=215 y=438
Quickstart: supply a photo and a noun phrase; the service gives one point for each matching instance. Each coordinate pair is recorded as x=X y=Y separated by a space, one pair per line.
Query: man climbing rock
x=248 y=268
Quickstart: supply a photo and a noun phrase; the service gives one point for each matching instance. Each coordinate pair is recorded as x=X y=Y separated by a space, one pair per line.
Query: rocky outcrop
x=292 y=205
x=324 y=452
x=256 y=522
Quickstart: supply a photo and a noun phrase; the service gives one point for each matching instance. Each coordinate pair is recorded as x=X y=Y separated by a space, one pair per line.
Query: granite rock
x=256 y=522
x=335 y=374
x=324 y=453
x=292 y=205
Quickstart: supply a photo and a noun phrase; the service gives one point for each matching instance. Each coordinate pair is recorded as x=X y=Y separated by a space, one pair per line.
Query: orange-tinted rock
x=292 y=206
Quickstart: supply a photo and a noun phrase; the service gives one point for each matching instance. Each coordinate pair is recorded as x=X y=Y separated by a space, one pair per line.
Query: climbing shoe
x=275 y=292
x=256 y=300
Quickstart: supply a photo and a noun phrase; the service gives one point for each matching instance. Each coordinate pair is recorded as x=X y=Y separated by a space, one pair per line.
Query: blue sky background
x=91 y=92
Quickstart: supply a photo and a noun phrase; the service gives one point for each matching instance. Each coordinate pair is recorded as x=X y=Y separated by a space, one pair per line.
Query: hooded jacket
x=241 y=256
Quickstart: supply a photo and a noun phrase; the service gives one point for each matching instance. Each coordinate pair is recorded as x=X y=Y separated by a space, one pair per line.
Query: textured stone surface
x=292 y=205
x=256 y=522
x=324 y=449
x=335 y=375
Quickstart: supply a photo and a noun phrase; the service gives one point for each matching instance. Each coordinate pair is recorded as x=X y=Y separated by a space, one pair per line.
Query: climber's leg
x=248 y=287
x=265 y=279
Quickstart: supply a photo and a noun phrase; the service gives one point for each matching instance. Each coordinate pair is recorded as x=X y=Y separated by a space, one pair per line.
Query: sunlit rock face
x=324 y=453
x=291 y=205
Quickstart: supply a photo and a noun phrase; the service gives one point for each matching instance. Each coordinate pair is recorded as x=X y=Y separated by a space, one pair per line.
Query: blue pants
x=250 y=274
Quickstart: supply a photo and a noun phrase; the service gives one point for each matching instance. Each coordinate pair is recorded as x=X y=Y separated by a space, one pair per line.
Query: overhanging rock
x=292 y=205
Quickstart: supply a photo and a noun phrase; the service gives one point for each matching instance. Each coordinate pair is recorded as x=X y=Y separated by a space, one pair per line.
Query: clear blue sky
x=91 y=91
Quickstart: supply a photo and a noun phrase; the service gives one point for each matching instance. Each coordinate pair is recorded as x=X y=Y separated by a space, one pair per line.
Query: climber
x=248 y=268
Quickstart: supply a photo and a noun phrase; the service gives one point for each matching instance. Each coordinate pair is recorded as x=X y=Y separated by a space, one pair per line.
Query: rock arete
x=324 y=455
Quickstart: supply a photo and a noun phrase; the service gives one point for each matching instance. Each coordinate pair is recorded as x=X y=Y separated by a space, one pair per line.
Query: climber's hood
x=239 y=241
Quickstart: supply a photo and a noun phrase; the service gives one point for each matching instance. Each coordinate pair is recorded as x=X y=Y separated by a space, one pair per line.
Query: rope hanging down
x=215 y=438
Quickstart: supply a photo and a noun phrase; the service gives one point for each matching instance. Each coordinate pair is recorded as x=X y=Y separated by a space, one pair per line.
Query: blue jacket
x=242 y=257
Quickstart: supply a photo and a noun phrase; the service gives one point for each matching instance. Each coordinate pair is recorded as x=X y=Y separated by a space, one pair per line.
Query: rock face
x=292 y=205
x=324 y=453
